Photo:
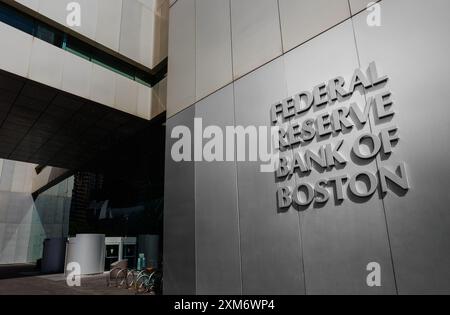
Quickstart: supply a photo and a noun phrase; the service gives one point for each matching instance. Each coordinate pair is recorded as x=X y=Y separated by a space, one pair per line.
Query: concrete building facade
x=69 y=92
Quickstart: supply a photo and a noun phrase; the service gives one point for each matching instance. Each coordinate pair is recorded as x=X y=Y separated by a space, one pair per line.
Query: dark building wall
x=130 y=176
x=179 y=216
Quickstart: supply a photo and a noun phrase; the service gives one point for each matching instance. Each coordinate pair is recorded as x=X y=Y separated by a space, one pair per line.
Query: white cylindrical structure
x=88 y=250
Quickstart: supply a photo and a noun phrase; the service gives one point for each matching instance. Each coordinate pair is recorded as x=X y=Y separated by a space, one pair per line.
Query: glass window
x=48 y=34
x=113 y=64
x=29 y=24
x=144 y=78
x=77 y=47
x=16 y=19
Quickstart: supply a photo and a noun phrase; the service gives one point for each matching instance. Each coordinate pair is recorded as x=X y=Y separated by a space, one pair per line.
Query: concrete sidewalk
x=24 y=280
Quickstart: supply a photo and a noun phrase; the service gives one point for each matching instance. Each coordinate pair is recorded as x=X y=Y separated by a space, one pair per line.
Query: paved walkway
x=24 y=280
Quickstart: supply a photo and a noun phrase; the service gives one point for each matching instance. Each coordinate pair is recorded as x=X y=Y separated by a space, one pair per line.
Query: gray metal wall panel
x=301 y=20
x=270 y=240
x=256 y=34
x=413 y=51
x=359 y=5
x=179 y=216
x=339 y=239
x=217 y=221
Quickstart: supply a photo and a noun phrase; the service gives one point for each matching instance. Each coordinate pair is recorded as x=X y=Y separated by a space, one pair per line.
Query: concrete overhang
x=46 y=126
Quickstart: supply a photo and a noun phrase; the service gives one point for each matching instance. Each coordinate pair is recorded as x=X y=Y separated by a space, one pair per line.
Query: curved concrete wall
x=88 y=250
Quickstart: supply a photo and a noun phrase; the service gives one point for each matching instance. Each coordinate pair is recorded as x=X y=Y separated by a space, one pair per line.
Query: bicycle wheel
x=121 y=278
x=110 y=279
x=131 y=278
x=142 y=284
x=155 y=283
x=138 y=275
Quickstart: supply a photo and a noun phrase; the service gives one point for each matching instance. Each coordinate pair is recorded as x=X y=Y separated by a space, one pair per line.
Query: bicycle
x=112 y=276
x=116 y=274
x=131 y=277
x=149 y=281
